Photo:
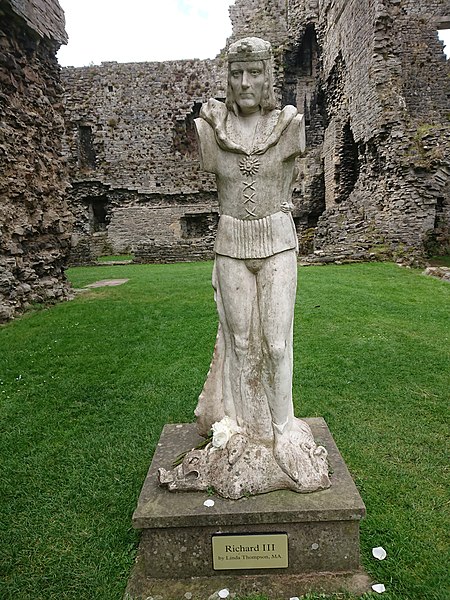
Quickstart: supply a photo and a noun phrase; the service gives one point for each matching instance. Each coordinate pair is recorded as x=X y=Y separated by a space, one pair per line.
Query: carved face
x=247 y=83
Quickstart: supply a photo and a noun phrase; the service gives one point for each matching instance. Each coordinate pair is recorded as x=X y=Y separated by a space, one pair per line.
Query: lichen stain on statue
x=258 y=445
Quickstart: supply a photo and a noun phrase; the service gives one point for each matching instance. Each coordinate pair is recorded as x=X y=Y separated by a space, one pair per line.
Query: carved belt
x=255 y=238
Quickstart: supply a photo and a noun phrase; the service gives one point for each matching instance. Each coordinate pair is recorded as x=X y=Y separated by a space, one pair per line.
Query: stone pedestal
x=175 y=553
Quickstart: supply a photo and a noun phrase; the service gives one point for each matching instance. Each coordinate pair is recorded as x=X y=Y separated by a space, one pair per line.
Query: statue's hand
x=287 y=207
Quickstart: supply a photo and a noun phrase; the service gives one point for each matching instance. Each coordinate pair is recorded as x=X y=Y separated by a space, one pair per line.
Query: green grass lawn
x=86 y=387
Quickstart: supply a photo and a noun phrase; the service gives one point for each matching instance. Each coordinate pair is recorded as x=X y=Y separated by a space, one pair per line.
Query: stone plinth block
x=175 y=554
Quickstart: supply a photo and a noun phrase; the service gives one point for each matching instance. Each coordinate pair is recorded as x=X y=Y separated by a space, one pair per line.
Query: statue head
x=250 y=57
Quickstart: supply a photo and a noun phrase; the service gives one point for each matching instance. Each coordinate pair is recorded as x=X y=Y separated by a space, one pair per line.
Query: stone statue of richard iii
x=258 y=445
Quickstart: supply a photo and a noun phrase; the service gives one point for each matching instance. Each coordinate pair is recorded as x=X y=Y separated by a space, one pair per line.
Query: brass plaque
x=256 y=551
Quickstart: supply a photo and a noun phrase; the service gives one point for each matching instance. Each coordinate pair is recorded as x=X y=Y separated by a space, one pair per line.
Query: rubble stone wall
x=386 y=84
x=377 y=102
x=44 y=17
x=261 y=18
x=131 y=145
x=35 y=222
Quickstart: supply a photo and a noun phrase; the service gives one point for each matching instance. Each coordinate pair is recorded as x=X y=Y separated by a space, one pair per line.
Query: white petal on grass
x=224 y=593
x=294 y=598
x=379 y=553
x=209 y=503
x=379 y=588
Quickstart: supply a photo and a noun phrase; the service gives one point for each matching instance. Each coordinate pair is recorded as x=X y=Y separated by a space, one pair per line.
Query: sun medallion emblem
x=249 y=165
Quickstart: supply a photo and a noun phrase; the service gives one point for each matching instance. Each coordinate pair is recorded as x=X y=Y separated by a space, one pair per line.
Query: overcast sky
x=445 y=37
x=143 y=30
x=147 y=30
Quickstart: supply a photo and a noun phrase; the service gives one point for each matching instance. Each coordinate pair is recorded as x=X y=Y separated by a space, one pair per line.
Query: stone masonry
x=133 y=157
x=373 y=82
x=386 y=146
x=34 y=219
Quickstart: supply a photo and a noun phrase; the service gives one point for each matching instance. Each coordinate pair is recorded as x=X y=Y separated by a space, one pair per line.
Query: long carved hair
x=268 y=101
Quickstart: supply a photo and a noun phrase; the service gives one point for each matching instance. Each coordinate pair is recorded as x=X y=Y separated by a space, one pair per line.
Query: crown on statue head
x=249 y=49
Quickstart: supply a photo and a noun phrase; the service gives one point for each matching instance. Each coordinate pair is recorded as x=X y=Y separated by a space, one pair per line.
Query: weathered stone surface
x=45 y=17
x=323 y=529
x=158 y=508
x=132 y=153
x=34 y=219
x=275 y=587
x=107 y=283
x=438 y=272
x=386 y=144
x=245 y=467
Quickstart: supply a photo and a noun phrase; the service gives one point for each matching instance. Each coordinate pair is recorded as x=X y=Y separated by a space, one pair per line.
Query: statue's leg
x=277 y=283
x=237 y=291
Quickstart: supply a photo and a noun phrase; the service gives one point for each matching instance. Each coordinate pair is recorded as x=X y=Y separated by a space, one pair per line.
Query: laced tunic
x=254 y=185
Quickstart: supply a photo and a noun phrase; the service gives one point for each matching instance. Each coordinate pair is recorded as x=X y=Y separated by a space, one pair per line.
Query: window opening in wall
x=334 y=88
x=437 y=240
x=300 y=69
x=317 y=191
x=439 y=212
x=98 y=213
x=444 y=36
x=307 y=52
x=86 y=152
x=199 y=225
x=347 y=171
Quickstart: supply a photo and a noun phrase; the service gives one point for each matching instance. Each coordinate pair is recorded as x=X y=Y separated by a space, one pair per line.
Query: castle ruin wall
x=372 y=80
x=35 y=222
x=131 y=145
x=386 y=146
